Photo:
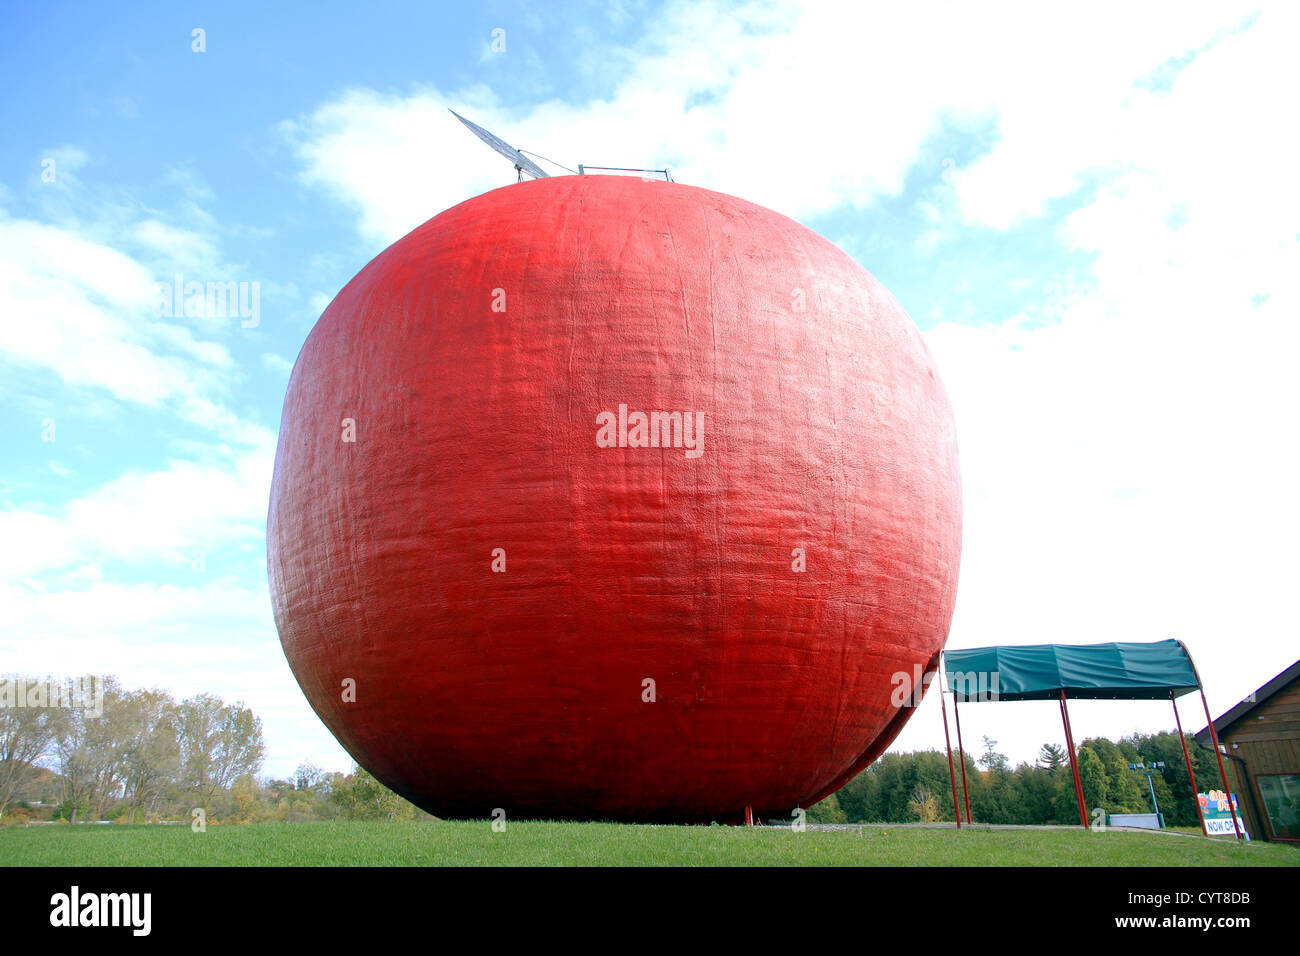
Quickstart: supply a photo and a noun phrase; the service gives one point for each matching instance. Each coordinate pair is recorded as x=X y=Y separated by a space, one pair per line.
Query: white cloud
x=186 y=248
x=274 y=363
x=1083 y=117
x=804 y=110
x=392 y=158
x=164 y=517
x=84 y=311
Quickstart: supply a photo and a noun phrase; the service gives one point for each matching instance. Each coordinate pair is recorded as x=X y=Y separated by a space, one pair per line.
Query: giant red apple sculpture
x=606 y=498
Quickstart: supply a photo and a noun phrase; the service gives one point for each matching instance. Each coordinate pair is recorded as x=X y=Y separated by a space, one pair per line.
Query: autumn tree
x=153 y=752
x=923 y=805
x=90 y=744
x=360 y=796
x=219 y=743
x=27 y=735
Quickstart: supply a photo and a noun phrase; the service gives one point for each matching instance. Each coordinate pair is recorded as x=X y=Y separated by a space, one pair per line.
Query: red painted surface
x=825 y=429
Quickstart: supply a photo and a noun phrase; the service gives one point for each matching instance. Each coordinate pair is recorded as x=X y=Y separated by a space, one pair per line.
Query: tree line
x=142 y=756
x=915 y=787
x=139 y=753
x=90 y=749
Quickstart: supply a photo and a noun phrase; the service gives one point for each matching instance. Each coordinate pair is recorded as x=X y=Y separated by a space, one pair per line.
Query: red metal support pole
x=1214 y=739
x=1227 y=787
x=961 y=755
x=1074 y=765
x=1196 y=798
x=952 y=774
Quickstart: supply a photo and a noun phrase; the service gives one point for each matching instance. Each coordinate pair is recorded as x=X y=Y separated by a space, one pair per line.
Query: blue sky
x=1092 y=214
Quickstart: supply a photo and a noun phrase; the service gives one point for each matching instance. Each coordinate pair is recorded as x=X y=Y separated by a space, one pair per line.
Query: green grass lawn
x=440 y=843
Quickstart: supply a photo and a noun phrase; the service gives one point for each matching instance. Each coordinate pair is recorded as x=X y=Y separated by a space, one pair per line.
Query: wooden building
x=1261 y=741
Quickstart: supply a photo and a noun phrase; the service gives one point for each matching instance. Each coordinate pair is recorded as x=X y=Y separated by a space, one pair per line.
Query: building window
x=1281 y=795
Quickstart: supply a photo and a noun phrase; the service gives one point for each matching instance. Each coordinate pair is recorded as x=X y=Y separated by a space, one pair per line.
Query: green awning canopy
x=1088 y=671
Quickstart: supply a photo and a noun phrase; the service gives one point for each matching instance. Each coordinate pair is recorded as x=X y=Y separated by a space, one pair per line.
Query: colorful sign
x=1218 y=814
